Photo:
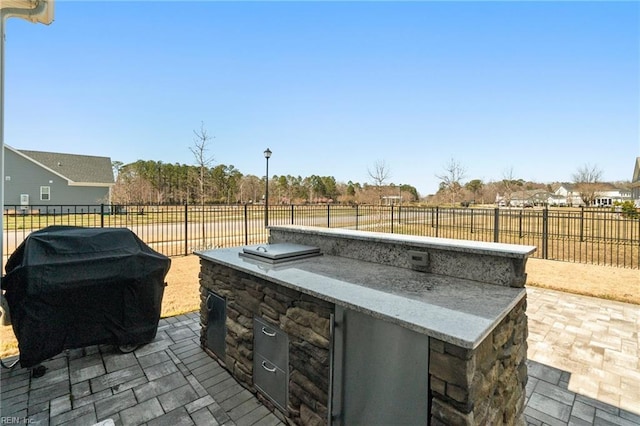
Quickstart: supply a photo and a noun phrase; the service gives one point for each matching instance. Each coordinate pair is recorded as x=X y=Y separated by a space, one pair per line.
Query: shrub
x=626 y=208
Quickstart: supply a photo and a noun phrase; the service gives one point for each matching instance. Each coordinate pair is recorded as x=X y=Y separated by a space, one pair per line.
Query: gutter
x=30 y=14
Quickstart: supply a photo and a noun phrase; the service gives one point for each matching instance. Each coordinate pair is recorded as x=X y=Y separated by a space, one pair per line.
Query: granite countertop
x=459 y=311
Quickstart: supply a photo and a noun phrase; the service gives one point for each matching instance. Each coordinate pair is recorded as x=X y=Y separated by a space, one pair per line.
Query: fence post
x=471 y=211
x=357 y=217
x=328 y=207
x=186 y=229
x=545 y=233
x=292 y=214
x=496 y=225
x=392 y=218
x=246 y=225
x=520 y=224
x=581 y=224
x=437 y=219
x=102 y=215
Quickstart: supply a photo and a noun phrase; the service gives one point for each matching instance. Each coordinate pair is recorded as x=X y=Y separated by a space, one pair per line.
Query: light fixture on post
x=267 y=155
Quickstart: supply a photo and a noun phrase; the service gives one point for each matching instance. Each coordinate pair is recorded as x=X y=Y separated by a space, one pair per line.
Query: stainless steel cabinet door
x=216 y=324
x=381 y=372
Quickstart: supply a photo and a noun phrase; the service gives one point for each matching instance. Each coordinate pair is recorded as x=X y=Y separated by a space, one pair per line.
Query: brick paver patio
x=171 y=381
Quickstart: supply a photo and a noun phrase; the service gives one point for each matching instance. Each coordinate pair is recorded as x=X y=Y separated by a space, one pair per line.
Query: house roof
x=570 y=187
x=529 y=194
x=606 y=186
x=598 y=186
x=79 y=169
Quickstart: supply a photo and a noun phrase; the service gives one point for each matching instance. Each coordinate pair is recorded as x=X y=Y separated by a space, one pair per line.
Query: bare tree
x=509 y=185
x=379 y=174
x=250 y=188
x=199 y=149
x=131 y=188
x=450 y=180
x=203 y=161
x=587 y=182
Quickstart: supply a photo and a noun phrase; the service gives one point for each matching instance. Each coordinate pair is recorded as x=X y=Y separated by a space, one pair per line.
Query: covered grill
x=70 y=287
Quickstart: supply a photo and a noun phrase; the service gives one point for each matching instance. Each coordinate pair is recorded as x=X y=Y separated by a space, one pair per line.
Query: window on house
x=45 y=193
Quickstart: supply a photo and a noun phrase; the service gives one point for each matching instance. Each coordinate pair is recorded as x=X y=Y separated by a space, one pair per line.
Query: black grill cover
x=70 y=287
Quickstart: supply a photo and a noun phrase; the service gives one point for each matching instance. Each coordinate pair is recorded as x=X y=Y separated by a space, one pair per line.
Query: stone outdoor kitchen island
x=342 y=327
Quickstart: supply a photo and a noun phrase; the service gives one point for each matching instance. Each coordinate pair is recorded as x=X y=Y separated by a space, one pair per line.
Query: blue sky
x=539 y=88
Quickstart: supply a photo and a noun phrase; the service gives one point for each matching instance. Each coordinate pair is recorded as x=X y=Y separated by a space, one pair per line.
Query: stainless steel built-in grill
x=278 y=253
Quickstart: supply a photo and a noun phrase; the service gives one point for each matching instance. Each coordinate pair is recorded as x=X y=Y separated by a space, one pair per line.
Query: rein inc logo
x=14 y=420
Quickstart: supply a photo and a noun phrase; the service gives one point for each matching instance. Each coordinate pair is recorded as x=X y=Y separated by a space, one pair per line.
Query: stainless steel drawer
x=271 y=381
x=271 y=342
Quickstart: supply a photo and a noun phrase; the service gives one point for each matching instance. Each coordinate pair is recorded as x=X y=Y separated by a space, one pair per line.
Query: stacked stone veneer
x=483 y=386
x=304 y=319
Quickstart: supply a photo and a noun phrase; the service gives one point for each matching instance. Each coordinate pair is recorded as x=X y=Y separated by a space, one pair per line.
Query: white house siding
x=608 y=198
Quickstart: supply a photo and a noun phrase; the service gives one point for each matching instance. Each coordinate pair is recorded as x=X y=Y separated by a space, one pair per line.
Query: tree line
x=155 y=182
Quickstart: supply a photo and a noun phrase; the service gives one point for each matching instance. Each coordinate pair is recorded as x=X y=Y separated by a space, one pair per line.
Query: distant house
x=48 y=181
x=555 y=200
x=609 y=194
x=605 y=196
x=635 y=183
x=525 y=198
x=570 y=194
x=389 y=200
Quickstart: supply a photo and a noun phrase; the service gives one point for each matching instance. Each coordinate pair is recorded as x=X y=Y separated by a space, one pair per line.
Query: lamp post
x=267 y=155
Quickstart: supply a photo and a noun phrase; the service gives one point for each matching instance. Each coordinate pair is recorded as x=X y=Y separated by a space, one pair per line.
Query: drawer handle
x=270 y=370
x=267 y=333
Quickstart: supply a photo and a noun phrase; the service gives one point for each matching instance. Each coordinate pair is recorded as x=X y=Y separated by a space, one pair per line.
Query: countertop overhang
x=455 y=310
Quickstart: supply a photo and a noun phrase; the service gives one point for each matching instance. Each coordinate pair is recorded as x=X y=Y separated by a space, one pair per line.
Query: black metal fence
x=595 y=236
